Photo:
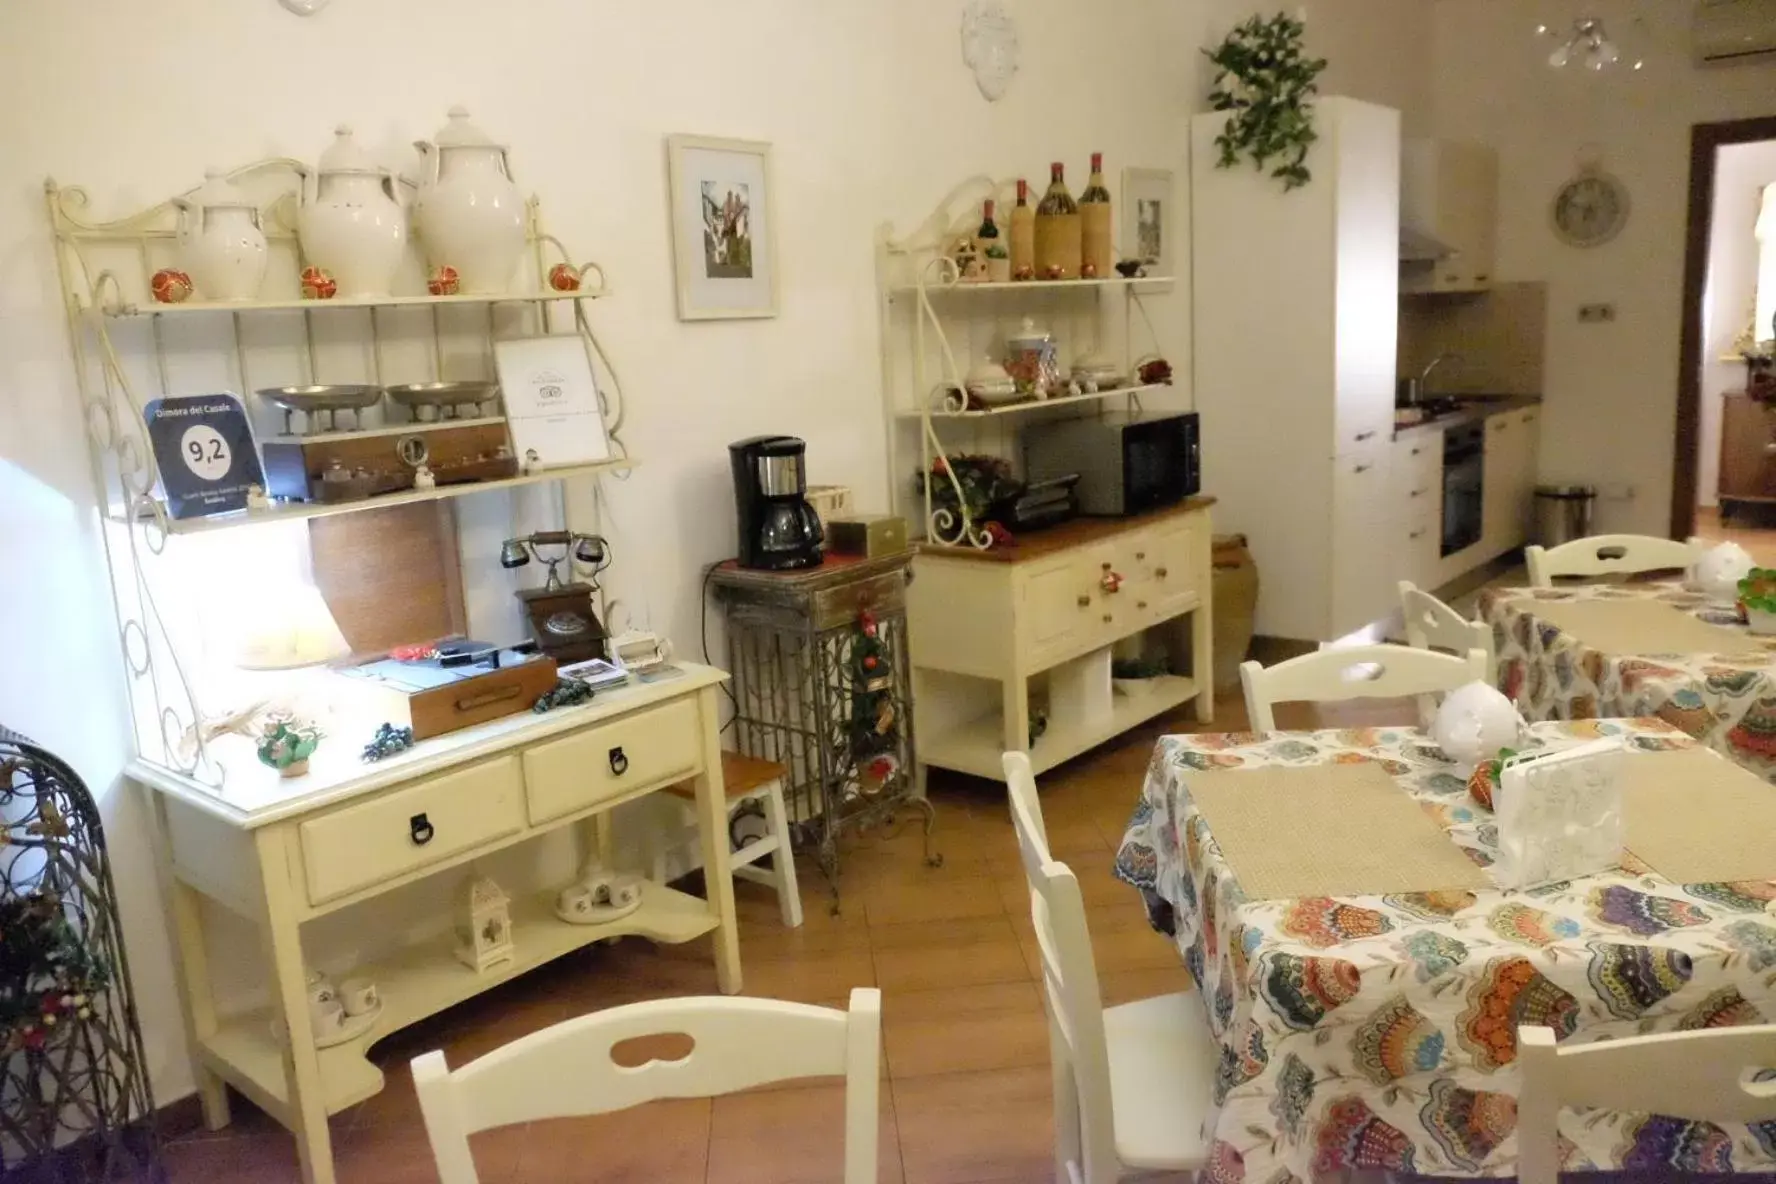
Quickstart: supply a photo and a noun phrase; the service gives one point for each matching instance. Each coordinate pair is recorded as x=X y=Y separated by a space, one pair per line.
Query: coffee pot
x=470 y=213
x=221 y=240
x=351 y=222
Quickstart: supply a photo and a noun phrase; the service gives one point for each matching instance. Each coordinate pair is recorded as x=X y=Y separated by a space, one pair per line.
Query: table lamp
x=291 y=628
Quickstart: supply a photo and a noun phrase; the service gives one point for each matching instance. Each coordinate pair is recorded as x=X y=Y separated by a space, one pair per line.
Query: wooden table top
x=1040 y=544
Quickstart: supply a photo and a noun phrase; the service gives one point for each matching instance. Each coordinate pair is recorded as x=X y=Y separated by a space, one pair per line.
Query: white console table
x=281 y=853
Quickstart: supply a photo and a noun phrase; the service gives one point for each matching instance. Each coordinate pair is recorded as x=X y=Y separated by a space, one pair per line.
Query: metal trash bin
x=1563 y=513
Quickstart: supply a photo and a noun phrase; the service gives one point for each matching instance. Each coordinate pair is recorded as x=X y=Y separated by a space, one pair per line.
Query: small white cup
x=624 y=892
x=576 y=900
x=326 y=1016
x=601 y=886
x=360 y=996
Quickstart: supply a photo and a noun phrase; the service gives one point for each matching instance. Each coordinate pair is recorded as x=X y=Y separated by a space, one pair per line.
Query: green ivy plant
x=1265 y=79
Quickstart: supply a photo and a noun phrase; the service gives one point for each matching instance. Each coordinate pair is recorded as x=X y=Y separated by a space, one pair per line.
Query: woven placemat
x=1637 y=627
x=1695 y=817
x=1327 y=830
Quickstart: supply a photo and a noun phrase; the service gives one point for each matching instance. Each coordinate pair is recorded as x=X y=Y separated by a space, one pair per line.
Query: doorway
x=1724 y=477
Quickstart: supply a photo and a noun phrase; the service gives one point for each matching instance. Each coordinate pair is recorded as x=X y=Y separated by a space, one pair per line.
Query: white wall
x=873 y=118
x=1741 y=172
x=1492 y=83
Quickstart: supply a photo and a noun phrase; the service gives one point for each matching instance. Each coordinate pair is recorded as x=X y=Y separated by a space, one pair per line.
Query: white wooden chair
x=744 y=779
x=1433 y=625
x=1698 y=1076
x=566 y=1070
x=1606 y=555
x=1361 y=672
x=1134 y=1084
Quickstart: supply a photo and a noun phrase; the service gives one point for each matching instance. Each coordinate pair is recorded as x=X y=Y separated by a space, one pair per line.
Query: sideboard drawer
x=611 y=762
x=408 y=829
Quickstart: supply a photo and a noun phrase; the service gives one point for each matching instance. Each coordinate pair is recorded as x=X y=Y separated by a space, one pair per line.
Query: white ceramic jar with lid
x=351 y=223
x=221 y=240
x=471 y=216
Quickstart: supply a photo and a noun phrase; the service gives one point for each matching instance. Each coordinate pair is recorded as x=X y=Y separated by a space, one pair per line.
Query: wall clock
x=1590 y=209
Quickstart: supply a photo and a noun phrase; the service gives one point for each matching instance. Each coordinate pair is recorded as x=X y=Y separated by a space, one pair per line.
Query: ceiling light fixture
x=1587 y=45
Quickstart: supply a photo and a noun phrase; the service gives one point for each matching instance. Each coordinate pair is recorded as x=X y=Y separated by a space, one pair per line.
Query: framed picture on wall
x=1151 y=221
x=723 y=237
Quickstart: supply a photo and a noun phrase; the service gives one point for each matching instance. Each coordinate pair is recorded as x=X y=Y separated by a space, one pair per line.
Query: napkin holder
x=1559 y=815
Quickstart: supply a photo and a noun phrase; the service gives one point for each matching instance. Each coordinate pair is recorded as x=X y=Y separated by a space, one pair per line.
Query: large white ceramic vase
x=221 y=241
x=470 y=211
x=351 y=223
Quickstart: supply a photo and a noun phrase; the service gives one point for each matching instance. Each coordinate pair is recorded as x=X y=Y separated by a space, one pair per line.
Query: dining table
x=1376 y=1031
x=1663 y=651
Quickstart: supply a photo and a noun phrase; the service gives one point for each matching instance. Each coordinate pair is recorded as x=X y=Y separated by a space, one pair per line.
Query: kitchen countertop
x=1480 y=409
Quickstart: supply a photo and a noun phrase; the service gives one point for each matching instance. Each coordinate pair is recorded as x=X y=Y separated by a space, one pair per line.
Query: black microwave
x=1128 y=463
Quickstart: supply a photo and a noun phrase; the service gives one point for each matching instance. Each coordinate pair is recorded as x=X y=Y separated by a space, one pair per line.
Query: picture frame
x=724 y=241
x=1151 y=220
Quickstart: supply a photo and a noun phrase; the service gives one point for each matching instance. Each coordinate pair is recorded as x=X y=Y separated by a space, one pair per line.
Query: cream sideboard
x=282 y=853
x=985 y=625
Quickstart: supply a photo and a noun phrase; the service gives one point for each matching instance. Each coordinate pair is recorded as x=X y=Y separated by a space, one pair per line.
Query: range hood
x=1418 y=247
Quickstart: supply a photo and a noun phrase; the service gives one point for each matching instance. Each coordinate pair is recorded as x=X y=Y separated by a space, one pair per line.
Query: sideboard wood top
x=1078 y=532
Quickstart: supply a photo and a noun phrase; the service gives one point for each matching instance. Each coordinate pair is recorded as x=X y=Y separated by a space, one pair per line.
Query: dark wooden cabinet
x=1748 y=452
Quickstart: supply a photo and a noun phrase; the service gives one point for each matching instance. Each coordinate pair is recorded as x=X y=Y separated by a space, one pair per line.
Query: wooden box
x=869 y=535
x=458 y=452
x=433 y=699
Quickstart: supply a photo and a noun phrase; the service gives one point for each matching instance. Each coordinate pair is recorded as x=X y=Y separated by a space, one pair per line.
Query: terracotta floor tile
x=249 y=1159
x=978 y=1127
x=813 y=978
x=403 y=1155
x=1121 y=940
x=660 y=1143
x=1127 y=986
x=945 y=899
x=792 y=1136
x=917 y=956
x=1093 y=869
x=962 y=1029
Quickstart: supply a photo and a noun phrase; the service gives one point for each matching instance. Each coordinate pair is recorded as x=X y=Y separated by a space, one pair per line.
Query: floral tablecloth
x=1726 y=701
x=1379 y=1032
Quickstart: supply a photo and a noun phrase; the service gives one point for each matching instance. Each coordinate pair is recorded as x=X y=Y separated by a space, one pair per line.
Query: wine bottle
x=1057 y=230
x=1023 y=235
x=992 y=247
x=1096 y=255
x=989 y=229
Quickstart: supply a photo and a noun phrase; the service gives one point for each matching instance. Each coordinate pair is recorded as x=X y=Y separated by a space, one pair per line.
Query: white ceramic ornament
x=351 y=222
x=1718 y=572
x=1474 y=722
x=221 y=242
x=471 y=214
x=990 y=46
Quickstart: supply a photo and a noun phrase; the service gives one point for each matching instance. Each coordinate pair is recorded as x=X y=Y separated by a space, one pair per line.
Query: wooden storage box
x=869 y=535
x=459 y=452
x=432 y=699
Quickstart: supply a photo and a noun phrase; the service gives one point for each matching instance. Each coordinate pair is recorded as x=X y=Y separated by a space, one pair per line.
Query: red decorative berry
x=564 y=278
x=318 y=284
x=170 y=286
x=870 y=663
x=444 y=282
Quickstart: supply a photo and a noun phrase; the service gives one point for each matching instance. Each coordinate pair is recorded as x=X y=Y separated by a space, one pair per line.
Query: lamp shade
x=288 y=628
x=1766 y=222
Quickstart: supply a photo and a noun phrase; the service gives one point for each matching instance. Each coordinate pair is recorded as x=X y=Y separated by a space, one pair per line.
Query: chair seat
x=1162 y=1080
x=741 y=775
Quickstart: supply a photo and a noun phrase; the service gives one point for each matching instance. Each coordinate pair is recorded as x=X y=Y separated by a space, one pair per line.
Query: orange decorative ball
x=318 y=284
x=170 y=286
x=444 y=282
x=564 y=278
x=1483 y=783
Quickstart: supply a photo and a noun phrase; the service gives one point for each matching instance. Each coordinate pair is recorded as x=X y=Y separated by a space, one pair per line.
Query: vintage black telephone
x=563 y=617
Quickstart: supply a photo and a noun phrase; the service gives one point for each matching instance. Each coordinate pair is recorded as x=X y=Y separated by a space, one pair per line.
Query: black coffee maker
x=779 y=530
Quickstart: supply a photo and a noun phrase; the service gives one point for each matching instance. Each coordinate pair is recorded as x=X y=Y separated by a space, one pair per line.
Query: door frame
x=1705 y=138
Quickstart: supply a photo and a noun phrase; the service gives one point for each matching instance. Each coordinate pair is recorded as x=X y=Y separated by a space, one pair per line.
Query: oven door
x=1464 y=492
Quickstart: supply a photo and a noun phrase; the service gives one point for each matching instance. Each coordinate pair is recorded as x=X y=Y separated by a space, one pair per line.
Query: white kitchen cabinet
x=1296 y=319
x=1449 y=191
x=1509 y=500
x=1415 y=495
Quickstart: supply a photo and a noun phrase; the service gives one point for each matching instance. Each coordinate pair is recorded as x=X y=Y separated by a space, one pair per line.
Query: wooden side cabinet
x=1747 y=452
x=993 y=631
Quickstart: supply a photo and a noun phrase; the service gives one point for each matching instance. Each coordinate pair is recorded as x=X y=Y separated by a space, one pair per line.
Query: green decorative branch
x=1265 y=80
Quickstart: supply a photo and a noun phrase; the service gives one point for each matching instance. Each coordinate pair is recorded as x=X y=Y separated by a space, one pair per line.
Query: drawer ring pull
x=420 y=830
x=618 y=762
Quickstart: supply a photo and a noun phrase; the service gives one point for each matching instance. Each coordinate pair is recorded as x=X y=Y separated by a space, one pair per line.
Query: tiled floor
x=966 y=1095
x=1757 y=535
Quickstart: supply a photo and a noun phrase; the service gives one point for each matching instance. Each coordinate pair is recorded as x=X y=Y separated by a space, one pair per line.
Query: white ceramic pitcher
x=221 y=240
x=470 y=213
x=352 y=224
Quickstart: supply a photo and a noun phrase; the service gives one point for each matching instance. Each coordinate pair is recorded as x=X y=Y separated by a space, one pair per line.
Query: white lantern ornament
x=487 y=939
x=1474 y=722
x=1718 y=571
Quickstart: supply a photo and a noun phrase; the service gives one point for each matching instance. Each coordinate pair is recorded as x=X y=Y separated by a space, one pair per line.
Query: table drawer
x=612 y=762
x=408 y=829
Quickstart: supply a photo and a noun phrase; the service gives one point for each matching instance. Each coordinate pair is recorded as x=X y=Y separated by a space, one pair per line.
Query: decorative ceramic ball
x=1474 y=722
x=563 y=278
x=1483 y=784
x=318 y=284
x=444 y=282
x=1718 y=572
x=170 y=286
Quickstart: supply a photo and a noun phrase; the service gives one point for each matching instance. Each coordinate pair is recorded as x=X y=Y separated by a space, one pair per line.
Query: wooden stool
x=746 y=778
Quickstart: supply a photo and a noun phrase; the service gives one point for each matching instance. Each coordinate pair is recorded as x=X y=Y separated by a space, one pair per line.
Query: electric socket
x=1596 y=314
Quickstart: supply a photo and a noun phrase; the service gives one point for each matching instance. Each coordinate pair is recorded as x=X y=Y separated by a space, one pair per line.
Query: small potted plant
x=287 y=743
x=1133 y=677
x=1757 y=600
x=998 y=264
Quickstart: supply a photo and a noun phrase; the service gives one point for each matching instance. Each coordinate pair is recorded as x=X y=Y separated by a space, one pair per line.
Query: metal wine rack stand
x=790 y=648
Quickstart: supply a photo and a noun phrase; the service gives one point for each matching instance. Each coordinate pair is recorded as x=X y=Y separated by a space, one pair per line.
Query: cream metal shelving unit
x=125 y=344
x=914 y=270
